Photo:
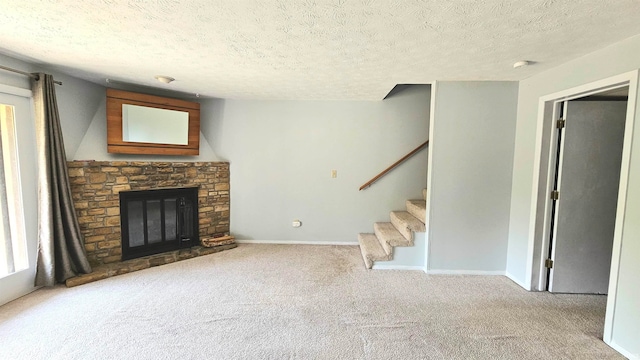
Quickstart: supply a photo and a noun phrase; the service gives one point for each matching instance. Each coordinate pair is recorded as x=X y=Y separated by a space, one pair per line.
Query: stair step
x=371 y=249
x=406 y=224
x=388 y=248
x=388 y=234
x=424 y=194
x=418 y=208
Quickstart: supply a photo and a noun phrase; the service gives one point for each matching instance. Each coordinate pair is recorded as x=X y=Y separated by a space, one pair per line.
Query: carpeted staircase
x=399 y=232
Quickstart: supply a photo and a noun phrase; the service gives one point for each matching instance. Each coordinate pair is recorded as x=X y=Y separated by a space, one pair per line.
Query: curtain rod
x=33 y=76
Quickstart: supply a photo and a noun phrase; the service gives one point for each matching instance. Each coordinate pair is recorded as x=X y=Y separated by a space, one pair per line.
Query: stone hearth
x=96 y=185
x=113 y=269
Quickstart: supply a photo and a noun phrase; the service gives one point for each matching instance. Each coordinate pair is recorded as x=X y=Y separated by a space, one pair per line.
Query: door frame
x=541 y=204
x=27 y=176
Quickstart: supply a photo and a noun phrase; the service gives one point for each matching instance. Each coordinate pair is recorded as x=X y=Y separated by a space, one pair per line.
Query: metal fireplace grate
x=159 y=220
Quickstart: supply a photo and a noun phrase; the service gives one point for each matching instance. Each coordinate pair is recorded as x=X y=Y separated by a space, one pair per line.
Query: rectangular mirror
x=151 y=125
x=156 y=126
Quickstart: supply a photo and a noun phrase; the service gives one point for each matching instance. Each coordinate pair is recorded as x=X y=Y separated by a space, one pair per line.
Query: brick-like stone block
x=131 y=171
x=81 y=204
x=94 y=238
x=112 y=221
x=76 y=172
x=117 y=188
x=102 y=231
x=78 y=180
x=109 y=244
x=98 y=178
x=222 y=186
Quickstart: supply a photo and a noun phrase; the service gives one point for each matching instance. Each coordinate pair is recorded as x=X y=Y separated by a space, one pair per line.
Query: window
x=13 y=252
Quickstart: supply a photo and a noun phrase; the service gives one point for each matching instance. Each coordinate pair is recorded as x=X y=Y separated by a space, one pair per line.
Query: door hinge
x=555 y=195
x=548 y=264
x=560 y=123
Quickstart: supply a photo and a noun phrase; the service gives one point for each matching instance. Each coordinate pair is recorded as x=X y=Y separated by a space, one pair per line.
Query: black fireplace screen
x=156 y=221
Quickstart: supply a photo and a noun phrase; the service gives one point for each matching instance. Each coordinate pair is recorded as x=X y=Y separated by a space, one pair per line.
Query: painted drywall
x=82 y=108
x=473 y=130
x=77 y=99
x=616 y=59
x=13 y=79
x=281 y=155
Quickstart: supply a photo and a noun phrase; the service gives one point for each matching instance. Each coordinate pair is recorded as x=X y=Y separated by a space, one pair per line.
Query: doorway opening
x=584 y=178
x=551 y=109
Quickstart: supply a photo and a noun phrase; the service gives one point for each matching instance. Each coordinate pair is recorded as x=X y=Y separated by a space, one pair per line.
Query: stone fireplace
x=96 y=187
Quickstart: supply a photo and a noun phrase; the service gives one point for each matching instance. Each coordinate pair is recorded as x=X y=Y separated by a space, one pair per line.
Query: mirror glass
x=153 y=125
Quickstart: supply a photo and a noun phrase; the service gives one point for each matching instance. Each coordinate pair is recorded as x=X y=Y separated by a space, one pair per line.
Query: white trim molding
x=12 y=90
x=294 y=242
x=624 y=352
x=466 y=272
x=515 y=280
x=631 y=79
x=427 y=235
x=397 y=267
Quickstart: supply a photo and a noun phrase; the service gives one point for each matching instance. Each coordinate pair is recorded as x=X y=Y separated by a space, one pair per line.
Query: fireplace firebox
x=158 y=220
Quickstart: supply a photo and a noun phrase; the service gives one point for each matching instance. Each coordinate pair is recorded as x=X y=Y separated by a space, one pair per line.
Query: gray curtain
x=61 y=252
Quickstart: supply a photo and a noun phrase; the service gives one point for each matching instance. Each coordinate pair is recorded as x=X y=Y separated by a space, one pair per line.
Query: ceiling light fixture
x=164 y=79
x=521 y=63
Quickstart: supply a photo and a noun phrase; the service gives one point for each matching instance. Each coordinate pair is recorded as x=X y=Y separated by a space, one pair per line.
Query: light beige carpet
x=299 y=302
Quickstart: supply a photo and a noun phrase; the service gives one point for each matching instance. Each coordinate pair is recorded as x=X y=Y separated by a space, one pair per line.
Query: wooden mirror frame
x=115 y=143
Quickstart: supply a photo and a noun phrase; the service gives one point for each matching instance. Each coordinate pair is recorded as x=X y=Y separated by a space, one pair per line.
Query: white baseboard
x=513 y=278
x=465 y=272
x=295 y=242
x=624 y=352
x=396 y=267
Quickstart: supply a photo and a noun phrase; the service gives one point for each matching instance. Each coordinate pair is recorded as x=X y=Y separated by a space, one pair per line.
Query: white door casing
x=538 y=208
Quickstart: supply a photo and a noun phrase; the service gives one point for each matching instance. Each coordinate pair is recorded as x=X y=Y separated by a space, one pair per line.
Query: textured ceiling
x=308 y=49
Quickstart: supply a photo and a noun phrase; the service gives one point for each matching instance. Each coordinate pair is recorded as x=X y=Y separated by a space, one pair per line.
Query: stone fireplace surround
x=95 y=186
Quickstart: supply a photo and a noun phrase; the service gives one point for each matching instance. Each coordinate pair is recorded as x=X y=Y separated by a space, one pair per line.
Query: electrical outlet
x=334 y=174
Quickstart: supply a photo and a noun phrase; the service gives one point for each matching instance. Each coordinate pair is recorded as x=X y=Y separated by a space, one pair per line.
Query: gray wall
x=78 y=100
x=473 y=130
x=12 y=79
x=282 y=154
x=613 y=60
x=82 y=107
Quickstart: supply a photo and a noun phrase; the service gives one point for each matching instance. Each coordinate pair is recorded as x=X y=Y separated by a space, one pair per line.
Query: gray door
x=588 y=182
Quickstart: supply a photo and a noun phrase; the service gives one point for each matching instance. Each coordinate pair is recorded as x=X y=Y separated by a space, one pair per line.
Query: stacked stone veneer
x=96 y=185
